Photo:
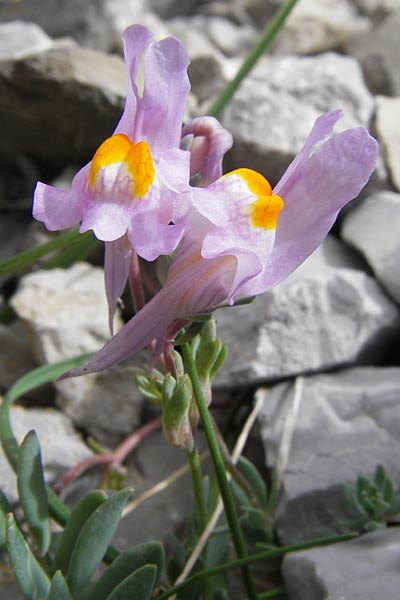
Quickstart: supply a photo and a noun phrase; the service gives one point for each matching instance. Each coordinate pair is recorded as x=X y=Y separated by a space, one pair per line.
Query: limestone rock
x=359 y=569
x=275 y=107
x=372 y=228
x=378 y=53
x=62 y=447
x=60 y=104
x=19 y=39
x=336 y=427
x=65 y=312
x=387 y=124
x=319 y=26
x=325 y=315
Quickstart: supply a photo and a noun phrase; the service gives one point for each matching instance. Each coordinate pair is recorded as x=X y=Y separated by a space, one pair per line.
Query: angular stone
x=19 y=39
x=387 y=124
x=378 y=54
x=359 y=569
x=319 y=26
x=58 y=105
x=275 y=107
x=62 y=447
x=335 y=428
x=325 y=315
x=372 y=228
x=66 y=314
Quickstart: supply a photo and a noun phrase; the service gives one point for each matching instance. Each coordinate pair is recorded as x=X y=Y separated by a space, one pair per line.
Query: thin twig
x=240 y=444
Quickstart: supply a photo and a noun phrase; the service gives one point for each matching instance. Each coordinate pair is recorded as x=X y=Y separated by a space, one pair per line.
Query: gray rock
x=75 y=98
x=66 y=314
x=84 y=21
x=320 y=26
x=15 y=357
x=323 y=316
x=273 y=111
x=19 y=39
x=387 y=119
x=378 y=54
x=173 y=8
x=62 y=447
x=362 y=569
x=337 y=427
x=372 y=228
x=376 y=10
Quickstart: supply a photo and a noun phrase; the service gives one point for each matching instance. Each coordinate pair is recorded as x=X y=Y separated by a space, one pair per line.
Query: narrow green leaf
x=255 y=480
x=139 y=585
x=32 y=491
x=94 y=538
x=126 y=563
x=79 y=515
x=25 y=384
x=380 y=476
x=5 y=508
x=59 y=589
x=27 y=257
x=31 y=578
x=79 y=250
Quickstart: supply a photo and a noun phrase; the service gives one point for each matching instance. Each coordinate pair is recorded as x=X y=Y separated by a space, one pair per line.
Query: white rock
x=319 y=26
x=19 y=39
x=62 y=447
x=275 y=107
x=341 y=426
x=66 y=313
x=360 y=569
x=373 y=228
x=322 y=317
x=387 y=124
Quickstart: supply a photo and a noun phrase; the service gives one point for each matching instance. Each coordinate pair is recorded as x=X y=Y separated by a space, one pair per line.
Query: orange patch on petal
x=136 y=157
x=264 y=212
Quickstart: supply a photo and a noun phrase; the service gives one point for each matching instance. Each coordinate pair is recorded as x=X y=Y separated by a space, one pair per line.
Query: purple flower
x=130 y=191
x=244 y=238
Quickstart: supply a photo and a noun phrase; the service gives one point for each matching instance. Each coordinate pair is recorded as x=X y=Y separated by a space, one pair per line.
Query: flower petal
x=313 y=194
x=116 y=269
x=108 y=220
x=151 y=238
x=209 y=144
x=135 y=40
x=166 y=87
x=58 y=209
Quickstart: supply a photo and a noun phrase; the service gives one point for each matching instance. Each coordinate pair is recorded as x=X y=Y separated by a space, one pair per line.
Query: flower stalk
x=225 y=491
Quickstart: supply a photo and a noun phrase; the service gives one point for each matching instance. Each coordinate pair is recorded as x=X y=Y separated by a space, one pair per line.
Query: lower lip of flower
x=119 y=164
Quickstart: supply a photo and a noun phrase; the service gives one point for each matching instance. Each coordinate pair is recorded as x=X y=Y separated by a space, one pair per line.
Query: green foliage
x=375 y=500
x=32 y=491
x=62 y=568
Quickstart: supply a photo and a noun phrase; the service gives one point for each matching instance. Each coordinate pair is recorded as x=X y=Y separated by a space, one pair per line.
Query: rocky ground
x=325 y=341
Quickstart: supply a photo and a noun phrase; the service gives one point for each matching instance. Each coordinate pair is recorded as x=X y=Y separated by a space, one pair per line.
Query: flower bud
x=177 y=399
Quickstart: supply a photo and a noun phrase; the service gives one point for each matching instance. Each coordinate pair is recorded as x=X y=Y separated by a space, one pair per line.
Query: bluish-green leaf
x=31 y=578
x=138 y=586
x=94 y=538
x=27 y=257
x=79 y=515
x=255 y=480
x=5 y=508
x=32 y=491
x=59 y=589
x=126 y=563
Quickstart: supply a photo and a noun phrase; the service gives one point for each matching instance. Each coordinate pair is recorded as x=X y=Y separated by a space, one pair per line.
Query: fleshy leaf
x=79 y=515
x=93 y=540
x=32 y=491
x=59 y=589
x=5 y=508
x=139 y=585
x=125 y=565
x=31 y=578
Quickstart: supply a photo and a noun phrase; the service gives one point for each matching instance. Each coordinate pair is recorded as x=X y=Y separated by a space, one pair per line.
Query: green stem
x=264 y=555
x=195 y=470
x=226 y=495
x=255 y=53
